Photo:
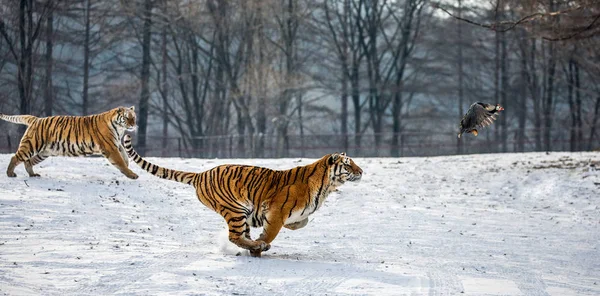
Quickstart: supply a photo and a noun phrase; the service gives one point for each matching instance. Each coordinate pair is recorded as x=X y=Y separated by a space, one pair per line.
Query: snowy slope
x=502 y=224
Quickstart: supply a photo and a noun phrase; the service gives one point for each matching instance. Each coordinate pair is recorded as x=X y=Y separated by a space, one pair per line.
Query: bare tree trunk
x=459 y=143
x=165 y=93
x=356 y=38
x=570 y=82
x=300 y=121
x=24 y=72
x=346 y=19
x=594 y=122
x=145 y=77
x=196 y=142
x=579 y=125
x=549 y=88
x=376 y=111
x=25 y=60
x=549 y=99
x=504 y=91
x=397 y=119
x=535 y=96
x=241 y=127
x=497 y=40
x=219 y=101
x=86 y=58
x=344 y=113
x=522 y=114
x=48 y=89
x=261 y=117
x=354 y=82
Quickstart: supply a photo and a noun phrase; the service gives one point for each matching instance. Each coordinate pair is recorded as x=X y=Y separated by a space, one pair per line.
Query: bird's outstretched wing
x=481 y=116
x=476 y=117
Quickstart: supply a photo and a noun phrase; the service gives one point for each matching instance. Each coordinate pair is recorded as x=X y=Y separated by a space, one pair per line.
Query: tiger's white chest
x=299 y=215
x=302 y=213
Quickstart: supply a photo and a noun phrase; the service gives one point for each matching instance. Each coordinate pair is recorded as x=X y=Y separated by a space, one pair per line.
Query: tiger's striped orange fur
x=250 y=196
x=73 y=136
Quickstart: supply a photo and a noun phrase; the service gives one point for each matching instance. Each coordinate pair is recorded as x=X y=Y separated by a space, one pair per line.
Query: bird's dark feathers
x=478 y=116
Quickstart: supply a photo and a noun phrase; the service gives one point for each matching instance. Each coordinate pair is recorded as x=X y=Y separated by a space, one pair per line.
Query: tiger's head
x=125 y=118
x=342 y=168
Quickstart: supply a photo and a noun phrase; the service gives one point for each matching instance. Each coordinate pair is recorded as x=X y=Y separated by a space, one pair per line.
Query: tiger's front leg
x=281 y=206
x=269 y=233
x=114 y=157
x=124 y=155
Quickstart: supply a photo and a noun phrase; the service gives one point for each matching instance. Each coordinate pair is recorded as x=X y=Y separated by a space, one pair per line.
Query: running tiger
x=73 y=136
x=250 y=196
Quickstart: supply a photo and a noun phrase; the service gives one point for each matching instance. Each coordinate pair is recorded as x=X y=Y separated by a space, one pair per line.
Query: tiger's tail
x=19 y=119
x=169 y=174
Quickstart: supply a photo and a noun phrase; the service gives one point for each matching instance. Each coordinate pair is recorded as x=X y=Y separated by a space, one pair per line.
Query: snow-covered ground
x=500 y=224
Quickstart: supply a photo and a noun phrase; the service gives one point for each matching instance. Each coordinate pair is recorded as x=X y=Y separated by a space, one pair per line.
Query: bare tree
x=145 y=77
x=342 y=23
x=460 y=74
x=23 y=45
x=86 y=57
x=409 y=31
x=48 y=88
x=524 y=78
x=164 y=84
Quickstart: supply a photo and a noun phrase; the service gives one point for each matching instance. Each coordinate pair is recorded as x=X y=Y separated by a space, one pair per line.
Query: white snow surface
x=493 y=224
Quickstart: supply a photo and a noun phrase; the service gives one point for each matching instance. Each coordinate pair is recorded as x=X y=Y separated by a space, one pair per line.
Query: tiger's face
x=343 y=168
x=125 y=118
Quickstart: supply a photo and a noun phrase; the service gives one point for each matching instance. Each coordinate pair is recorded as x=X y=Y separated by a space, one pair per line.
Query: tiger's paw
x=132 y=176
x=261 y=246
x=256 y=251
x=11 y=174
x=265 y=247
x=34 y=175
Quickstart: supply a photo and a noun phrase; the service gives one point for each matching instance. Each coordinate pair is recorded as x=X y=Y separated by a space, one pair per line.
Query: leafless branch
x=8 y=41
x=505 y=26
x=576 y=34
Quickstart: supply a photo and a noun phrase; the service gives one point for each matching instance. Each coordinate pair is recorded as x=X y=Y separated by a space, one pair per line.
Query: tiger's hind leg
x=23 y=154
x=36 y=159
x=14 y=161
x=239 y=233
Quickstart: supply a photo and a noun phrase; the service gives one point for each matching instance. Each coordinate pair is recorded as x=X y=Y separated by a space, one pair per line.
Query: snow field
x=495 y=224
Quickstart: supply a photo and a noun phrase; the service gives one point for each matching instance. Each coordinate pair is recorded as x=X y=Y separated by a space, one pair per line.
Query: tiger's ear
x=343 y=154
x=333 y=158
x=132 y=108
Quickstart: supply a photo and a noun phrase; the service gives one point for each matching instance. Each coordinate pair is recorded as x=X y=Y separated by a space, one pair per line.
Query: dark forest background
x=292 y=78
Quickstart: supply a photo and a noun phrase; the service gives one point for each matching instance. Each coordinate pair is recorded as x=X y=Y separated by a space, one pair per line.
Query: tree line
x=373 y=74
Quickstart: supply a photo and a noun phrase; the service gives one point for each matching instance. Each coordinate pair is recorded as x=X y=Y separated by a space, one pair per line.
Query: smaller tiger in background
x=73 y=136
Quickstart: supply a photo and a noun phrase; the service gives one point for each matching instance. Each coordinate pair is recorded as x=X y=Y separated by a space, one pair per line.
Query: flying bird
x=478 y=116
